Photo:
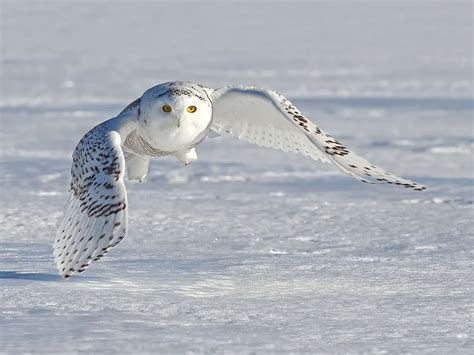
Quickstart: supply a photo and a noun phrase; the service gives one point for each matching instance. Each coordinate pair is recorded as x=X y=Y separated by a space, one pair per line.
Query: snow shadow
x=29 y=276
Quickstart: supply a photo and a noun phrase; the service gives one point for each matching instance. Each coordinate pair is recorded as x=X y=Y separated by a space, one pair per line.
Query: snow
x=245 y=250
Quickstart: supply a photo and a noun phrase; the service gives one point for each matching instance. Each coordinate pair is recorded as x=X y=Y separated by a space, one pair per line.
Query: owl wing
x=266 y=118
x=95 y=216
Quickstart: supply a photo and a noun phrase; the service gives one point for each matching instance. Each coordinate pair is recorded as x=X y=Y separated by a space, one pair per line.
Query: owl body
x=172 y=119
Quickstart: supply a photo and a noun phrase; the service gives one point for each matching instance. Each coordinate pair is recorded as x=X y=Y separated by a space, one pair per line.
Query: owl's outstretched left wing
x=268 y=119
x=95 y=217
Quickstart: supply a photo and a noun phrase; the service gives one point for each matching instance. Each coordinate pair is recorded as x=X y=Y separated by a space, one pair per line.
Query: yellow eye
x=192 y=109
x=167 y=108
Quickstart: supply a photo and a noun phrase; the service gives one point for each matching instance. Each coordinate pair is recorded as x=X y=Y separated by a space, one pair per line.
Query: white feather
x=95 y=217
x=266 y=118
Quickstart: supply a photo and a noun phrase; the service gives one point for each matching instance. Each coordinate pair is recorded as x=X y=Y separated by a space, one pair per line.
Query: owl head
x=173 y=113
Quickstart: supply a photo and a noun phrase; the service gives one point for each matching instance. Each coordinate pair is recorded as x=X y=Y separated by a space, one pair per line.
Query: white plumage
x=172 y=119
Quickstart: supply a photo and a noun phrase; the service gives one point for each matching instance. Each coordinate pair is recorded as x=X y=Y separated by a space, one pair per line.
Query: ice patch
x=459 y=149
x=209 y=287
x=223 y=178
x=49 y=177
x=403 y=143
x=451 y=150
x=177 y=177
x=49 y=193
x=68 y=84
x=426 y=247
x=277 y=251
x=439 y=200
x=376 y=113
x=412 y=201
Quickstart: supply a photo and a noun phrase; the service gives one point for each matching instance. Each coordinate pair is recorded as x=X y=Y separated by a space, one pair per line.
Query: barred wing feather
x=95 y=216
x=268 y=119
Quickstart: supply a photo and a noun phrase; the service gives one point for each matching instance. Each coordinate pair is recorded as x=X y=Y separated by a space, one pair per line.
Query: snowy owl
x=172 y=119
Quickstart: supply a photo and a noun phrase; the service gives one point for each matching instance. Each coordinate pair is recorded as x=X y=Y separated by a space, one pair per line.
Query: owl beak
x=179 y=120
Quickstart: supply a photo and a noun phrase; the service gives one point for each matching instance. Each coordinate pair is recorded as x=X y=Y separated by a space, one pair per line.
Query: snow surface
x=246 y=250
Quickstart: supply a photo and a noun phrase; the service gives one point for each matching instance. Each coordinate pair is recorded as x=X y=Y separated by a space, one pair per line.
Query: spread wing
x=95 y=216
x=268 y=119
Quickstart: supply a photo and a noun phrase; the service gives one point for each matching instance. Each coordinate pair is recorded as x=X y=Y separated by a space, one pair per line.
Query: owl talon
x=187 y=156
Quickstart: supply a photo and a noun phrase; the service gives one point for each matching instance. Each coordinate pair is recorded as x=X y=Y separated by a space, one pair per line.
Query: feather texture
x=95 y=216
x=266 y=118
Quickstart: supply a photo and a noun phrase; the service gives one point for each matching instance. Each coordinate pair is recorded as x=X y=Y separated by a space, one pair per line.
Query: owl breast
x=167 y=138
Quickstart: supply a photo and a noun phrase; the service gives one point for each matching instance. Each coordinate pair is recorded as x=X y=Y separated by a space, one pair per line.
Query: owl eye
x=167 y=108
x=192 y=109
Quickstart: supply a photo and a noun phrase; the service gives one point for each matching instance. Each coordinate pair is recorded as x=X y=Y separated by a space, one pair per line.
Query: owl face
x=173 y=119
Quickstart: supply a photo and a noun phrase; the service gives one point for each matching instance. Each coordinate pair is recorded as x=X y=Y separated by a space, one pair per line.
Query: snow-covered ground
x=246 y=250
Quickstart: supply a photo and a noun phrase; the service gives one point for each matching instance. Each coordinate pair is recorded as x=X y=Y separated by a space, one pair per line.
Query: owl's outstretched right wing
x=269 y=119
x=95 y=217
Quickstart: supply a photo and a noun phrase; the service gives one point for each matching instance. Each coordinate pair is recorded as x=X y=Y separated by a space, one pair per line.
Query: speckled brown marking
x=139 y=145
x=133 y=105
x=178 y=89
x=94 y=174
x=336 y=150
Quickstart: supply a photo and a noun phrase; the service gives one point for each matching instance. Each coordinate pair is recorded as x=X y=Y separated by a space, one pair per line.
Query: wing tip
x=64 y=271
x=68 y=273
x=409 y=185
x=420 y=188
